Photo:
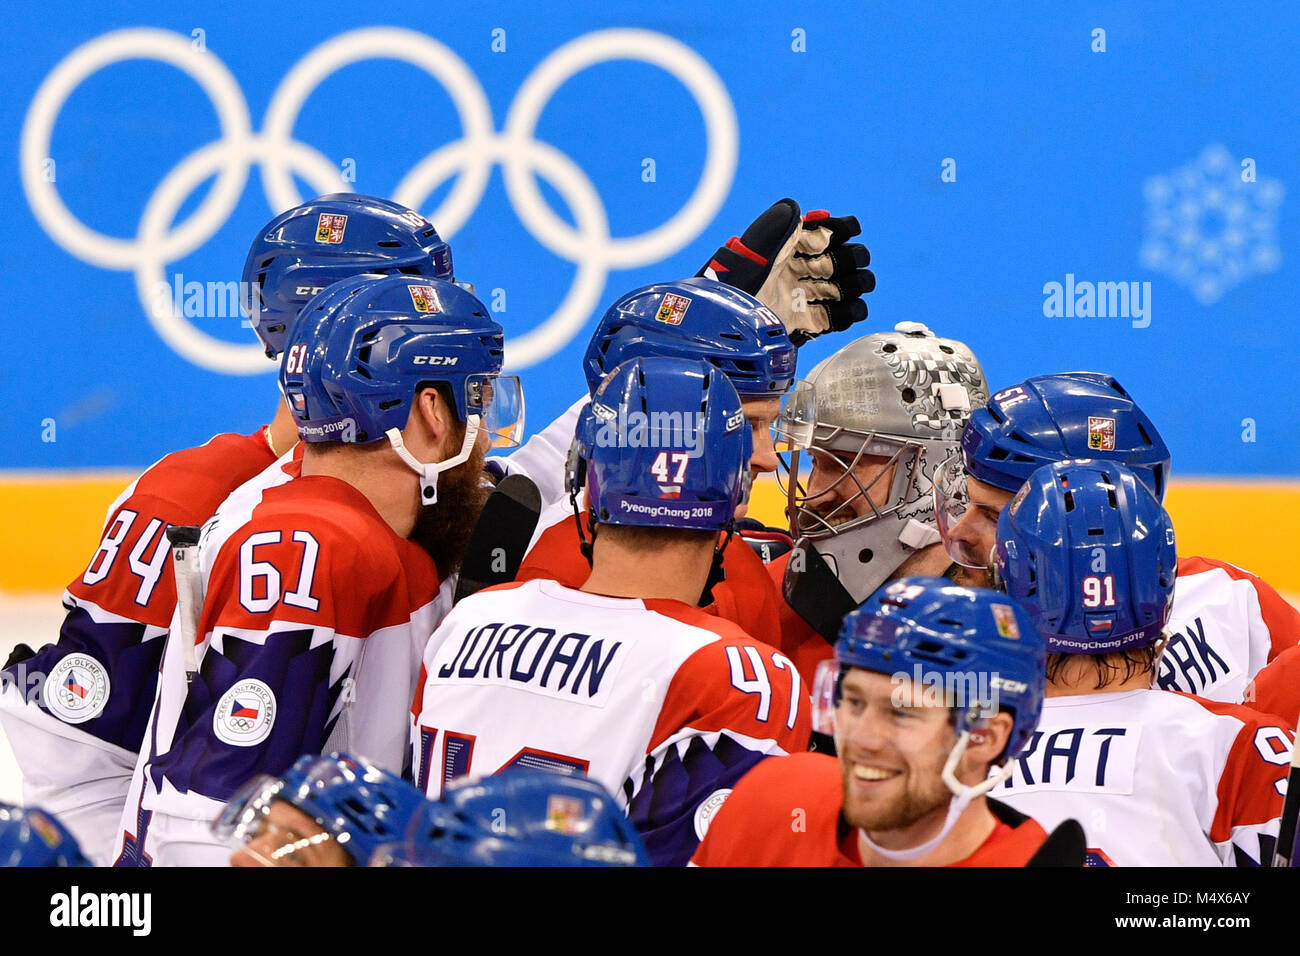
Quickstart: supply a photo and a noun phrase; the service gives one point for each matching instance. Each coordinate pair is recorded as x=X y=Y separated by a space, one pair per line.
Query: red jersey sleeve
x=557 y=556
x=1276 y=688
x=1251 y=787
x=731 y=704
x=1278 y=617
x=747 y=595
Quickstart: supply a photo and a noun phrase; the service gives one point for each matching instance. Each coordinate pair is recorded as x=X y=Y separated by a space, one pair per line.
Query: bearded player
x=320 y=585
x=933 y=687
x=75 y=711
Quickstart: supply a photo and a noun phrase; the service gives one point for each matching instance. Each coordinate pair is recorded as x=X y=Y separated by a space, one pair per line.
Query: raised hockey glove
x=801 y=267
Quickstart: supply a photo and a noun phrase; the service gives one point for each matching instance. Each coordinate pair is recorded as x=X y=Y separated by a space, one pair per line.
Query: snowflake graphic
x=1207 y=228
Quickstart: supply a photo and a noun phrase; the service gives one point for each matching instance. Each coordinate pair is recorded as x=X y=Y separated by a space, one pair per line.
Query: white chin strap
x=429 y=471
x=962 y=798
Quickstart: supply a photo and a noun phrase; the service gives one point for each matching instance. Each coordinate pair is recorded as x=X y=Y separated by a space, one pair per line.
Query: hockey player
x=801 y=267
x=318 y=597
x=733 y=332
x=932 y=687
x=889 y=408
x=1226 y=623
x=331 y=810
x=75 y=711
x=1156 y=778
x=625 y=679
x=521 y=818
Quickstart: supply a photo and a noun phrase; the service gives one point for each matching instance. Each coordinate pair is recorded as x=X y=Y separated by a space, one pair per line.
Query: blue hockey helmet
x=358 y=805
x=31 y=837
x=1050 y=418
x=696 y=318
x=522 y=817
x=663 y=443
x=931 y=625
x=358 y=353
x=1089 y=552
x=975 y=644
x=310 y=247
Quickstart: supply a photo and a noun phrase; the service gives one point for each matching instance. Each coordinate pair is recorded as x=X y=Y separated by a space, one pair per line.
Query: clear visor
x=823 y=697
x=794 y=425
x=285 y=836
x=968 y=533
x=263 y=828
x=499 y=401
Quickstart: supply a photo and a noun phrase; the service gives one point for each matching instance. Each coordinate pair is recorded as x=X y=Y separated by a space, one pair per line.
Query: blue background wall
x=1067 y=161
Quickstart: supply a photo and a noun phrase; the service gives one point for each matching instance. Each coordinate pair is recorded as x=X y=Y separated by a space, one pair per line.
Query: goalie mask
x=890 y=407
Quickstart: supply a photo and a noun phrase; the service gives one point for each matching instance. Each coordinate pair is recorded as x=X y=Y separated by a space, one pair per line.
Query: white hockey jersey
x=665 y=705
x=75 y=712
x=309 y=640
x=1156 y=778
x=1225 y=625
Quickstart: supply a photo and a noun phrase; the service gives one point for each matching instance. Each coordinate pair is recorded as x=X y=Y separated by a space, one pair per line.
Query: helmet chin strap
x=962 y=798
x=429 y=471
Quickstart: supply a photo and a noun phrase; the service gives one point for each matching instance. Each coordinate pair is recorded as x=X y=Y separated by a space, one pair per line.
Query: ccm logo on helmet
x=435 y=360
x=307 y=289
x=1011 y=686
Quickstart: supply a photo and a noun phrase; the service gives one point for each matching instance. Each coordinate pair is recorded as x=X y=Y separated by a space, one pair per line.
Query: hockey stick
x=184 y=540
x=500 y=538
x=1284 y=852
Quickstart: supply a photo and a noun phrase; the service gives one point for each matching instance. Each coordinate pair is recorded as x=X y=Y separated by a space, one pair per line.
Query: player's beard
x=923 y=793
x=444 y=529
x=969 y=577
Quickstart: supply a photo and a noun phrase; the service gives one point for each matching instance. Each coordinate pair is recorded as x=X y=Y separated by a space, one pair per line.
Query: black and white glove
x=803 y=268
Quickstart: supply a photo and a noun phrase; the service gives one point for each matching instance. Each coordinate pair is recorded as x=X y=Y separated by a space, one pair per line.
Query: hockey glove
x=803 y=269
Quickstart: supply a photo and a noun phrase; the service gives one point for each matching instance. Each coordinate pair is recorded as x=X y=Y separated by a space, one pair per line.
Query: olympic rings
x=280 y=156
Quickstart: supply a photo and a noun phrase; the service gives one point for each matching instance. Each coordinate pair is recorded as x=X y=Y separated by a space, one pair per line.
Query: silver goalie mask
x=890 y=408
